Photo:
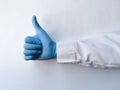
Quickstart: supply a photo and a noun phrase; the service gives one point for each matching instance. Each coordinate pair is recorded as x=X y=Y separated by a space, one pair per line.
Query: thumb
x=39 y=30
x=36 y=25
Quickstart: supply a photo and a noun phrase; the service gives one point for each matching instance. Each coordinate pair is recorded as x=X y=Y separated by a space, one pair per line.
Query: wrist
x=54 y=50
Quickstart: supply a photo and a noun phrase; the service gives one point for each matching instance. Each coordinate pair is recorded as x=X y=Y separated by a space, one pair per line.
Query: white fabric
x=98 y=51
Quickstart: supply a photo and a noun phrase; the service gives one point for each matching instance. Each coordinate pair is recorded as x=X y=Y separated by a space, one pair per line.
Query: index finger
x=32 y=40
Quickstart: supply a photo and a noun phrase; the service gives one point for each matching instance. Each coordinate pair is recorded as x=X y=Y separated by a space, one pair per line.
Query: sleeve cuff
x=66 y=52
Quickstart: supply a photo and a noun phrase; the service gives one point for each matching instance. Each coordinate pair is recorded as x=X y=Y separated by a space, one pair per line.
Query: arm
x=97 y=51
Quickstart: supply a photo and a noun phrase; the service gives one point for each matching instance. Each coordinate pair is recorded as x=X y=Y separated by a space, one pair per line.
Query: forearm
x=98 y=51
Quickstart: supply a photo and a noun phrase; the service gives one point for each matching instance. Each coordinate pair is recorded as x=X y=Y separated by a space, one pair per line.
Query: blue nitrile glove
x=40 y=46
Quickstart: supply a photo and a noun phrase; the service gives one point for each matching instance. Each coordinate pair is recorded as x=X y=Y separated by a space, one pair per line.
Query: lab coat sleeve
x=98 y=51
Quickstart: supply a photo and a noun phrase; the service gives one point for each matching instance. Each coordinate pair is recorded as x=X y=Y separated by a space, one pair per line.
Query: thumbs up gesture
x=40 y=46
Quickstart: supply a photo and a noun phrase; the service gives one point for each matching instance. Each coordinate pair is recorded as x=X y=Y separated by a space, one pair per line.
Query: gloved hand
x=40 y=46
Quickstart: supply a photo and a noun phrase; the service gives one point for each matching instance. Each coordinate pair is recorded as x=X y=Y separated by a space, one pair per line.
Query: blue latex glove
x=40 y=46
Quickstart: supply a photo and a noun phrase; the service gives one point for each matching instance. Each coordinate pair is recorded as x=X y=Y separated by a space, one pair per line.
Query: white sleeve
x=97 y=51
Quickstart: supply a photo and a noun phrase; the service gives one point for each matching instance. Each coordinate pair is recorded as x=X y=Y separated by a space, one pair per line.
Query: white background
x=63 y=20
